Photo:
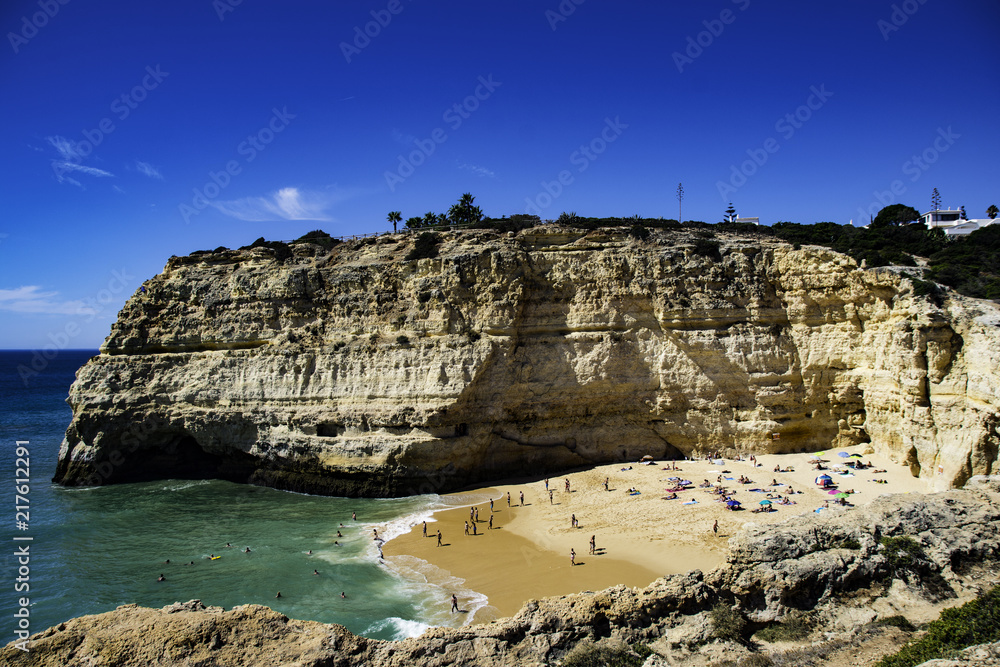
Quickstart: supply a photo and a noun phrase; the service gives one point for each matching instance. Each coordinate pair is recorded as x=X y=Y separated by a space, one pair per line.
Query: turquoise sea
x=93 y=549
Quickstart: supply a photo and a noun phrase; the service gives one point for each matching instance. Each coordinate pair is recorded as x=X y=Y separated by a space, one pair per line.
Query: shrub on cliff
x=605 y=654
x=707 y=248
x=727 y=623
x=425 y=247
x=279 y=248
x=319 y=237
x=975 y=622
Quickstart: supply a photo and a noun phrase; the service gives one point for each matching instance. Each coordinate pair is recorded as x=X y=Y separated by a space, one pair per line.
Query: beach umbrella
x=815 y=457
x=833 y=492
x=765 y=502
x=673 y=479
x=647 y=457
x=733 y=503
x=843 y=455
x=856 y=456
x=842 y=495
x=684 y=482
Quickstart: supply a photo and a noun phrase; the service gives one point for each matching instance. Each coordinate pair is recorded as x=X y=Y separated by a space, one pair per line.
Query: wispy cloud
x=478 y=171
x=69 y=161
x=285 y=204
x=147 y=169
x=402 y=138
x=29 y=299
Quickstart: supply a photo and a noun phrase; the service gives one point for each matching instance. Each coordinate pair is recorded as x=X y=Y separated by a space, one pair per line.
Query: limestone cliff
x=835 y=567
x=354 y=371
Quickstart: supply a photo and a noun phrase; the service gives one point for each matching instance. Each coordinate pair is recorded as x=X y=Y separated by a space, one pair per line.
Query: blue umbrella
x=765 y=502
x=843 y=455
x=732 y=503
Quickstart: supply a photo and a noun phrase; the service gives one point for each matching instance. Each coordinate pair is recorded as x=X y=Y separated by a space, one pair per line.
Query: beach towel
x=729 y=478
x=690 y=502
x=758 y=491
x=636 y=493
x=719 y=462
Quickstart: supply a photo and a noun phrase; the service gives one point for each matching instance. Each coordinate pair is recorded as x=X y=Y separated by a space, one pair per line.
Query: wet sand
x=639 y=537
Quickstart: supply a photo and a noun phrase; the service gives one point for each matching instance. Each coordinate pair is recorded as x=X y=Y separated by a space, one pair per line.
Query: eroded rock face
x=807 y=563
x=353 y=371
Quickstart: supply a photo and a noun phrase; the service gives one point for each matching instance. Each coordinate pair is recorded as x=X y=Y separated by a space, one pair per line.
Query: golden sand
x=638 y=537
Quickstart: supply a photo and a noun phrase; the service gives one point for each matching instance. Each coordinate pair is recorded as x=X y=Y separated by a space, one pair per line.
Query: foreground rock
x=353 y=371
x=831 y=567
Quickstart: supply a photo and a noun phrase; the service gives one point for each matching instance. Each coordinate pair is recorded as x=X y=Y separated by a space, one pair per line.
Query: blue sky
x=135 y=131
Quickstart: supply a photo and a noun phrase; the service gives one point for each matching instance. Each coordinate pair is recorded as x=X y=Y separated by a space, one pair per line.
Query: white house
x=751 y=221
x=941 y=218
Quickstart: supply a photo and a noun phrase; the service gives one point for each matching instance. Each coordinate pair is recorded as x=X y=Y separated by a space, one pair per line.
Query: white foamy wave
x=400 y=628
x=435 y=586
x=188 y=485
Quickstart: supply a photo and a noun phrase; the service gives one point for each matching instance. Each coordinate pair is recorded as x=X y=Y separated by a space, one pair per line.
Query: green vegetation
x=319 y=237
x=707 y=248
x=606 y=654
x=976 y=622
x=897 y=621
x=903 y=554
x=847 y=543
x=425 y=247
x=279 y=248
x=896 y=214
x=727 y=623
x=793 y=628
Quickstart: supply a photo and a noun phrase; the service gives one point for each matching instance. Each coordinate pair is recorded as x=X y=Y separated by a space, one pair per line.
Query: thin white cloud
x=66 y=148
x=29 y=299
x=402 y=138
x=477 y=170
x=69 y=161
x=147 y=169
x=285 y=204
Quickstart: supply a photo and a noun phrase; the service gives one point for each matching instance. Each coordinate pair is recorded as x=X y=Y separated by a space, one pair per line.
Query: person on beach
x=425 y=530
x=508 y=499
x=546 y=483
x=572 y=557
x=491 y=522
x=593 y=544
x=439 y=538
x=491 y=506
x=454 y=603
x=374 y=533
x=567 y=485
x=715 y=527
x=606 y=484
x=466 y=527
x=572 y=520
x=522 y=499
x=474 y=529
x=550 y=497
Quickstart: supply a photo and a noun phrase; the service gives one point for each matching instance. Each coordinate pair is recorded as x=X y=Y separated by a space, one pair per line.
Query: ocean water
x=95 y=548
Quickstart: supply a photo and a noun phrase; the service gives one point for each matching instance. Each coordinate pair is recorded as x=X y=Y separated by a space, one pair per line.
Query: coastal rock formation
x=351 y=370
x=837 y=567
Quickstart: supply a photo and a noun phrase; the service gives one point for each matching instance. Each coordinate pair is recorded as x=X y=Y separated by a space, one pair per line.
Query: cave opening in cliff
x=184 y=458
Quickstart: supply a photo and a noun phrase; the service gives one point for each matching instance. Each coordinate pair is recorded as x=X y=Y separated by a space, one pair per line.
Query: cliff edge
x=351 y=370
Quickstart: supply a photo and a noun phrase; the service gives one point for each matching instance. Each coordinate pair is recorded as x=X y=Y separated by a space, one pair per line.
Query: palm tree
x=465 y=211
x=992 y=211
x=394 y=217
x=430 y=219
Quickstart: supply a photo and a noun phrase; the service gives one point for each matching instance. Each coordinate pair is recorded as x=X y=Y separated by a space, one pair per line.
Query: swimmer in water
x=162 y=578
x=278 y=595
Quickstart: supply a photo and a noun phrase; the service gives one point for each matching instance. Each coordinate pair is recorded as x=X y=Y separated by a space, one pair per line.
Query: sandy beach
x=639 y=537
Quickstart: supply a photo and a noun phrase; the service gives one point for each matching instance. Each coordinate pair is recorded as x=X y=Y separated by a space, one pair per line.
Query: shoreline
x=639 y=538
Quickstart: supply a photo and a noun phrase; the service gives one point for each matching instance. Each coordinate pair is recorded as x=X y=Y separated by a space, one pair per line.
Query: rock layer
x=354 y=371
x=808 y=563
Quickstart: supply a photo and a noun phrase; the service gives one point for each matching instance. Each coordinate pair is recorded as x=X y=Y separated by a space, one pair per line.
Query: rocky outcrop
x=830 y=566
x=354 y=371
